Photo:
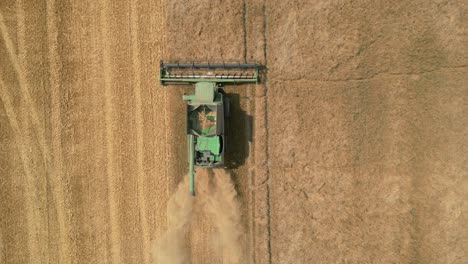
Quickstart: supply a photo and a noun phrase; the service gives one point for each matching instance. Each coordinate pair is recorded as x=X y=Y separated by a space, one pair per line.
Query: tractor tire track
x=23 y=83
x=37 y=159
x=34 y=247
x=61 y=202
x=141 y=177
x=109 y=117
x=99 y=247
x=267 y=140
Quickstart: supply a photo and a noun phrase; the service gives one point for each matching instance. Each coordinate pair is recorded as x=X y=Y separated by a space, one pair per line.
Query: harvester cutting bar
x=211 y=65
x=209 y=76
x=180 y=73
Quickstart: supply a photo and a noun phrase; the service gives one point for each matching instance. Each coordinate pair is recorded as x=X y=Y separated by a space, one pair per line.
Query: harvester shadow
x=238 y=134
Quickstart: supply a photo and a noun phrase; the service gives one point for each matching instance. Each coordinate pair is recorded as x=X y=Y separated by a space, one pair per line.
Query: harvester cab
x=207 y=108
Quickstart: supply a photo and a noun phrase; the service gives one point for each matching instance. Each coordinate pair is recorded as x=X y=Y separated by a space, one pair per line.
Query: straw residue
x=222 y=205
x=172 y=249
x=216 y=196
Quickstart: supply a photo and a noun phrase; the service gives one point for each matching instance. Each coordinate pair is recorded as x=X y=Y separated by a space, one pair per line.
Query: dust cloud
x=172 y=248
x=223 y=207
x=217 y=197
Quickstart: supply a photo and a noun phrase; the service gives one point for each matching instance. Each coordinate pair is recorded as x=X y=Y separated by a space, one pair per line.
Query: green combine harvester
x=208 y=108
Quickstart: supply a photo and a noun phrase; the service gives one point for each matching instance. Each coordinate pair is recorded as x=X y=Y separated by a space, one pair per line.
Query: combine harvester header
x=183 y=73
x=208 y=108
